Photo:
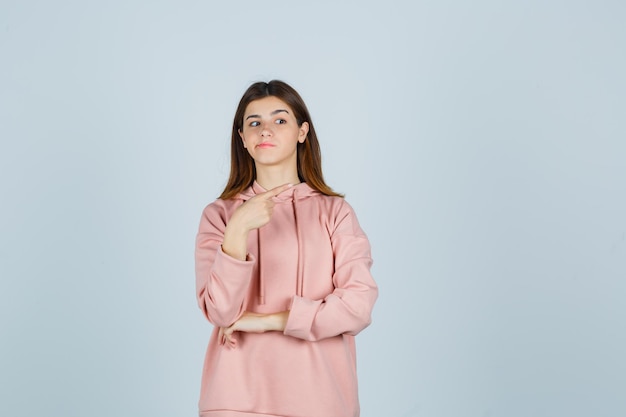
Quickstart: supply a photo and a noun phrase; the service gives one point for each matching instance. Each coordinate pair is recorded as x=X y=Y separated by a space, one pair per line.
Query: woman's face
x=271 y=133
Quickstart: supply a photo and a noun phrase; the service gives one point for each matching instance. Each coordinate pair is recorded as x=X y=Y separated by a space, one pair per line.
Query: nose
x=265 y=130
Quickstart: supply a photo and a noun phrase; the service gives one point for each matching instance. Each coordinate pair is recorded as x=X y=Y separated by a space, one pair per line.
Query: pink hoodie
x=313 y=259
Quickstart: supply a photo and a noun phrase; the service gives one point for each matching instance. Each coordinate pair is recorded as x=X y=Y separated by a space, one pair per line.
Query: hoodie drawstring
x=261 y=281
x=300 y=272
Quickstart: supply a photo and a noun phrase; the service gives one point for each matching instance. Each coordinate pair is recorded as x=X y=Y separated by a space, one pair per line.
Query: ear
x=304 y=130
x=243 y=140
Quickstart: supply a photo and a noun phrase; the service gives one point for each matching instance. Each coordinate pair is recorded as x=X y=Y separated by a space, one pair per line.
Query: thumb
x=229 y=330
x=277 y=190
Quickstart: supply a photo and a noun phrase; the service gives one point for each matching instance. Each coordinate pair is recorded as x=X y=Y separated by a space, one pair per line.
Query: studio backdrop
x=482 y=145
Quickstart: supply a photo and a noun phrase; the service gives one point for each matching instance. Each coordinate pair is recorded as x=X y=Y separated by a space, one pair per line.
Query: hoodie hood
x=293 y=195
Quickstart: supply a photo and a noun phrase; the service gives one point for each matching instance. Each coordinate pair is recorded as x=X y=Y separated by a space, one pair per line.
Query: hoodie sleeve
x=221 y=280
x=348 y=308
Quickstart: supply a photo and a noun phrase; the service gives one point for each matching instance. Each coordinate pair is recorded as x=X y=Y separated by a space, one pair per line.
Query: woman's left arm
x=347 y=310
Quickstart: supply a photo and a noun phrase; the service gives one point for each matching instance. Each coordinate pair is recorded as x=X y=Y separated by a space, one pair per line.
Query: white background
x=482 y=144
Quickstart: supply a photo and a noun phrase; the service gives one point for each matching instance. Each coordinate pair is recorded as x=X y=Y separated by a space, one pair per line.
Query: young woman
x=282 y=272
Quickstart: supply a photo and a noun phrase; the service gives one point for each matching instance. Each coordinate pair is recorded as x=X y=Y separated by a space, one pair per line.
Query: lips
x=265 y=145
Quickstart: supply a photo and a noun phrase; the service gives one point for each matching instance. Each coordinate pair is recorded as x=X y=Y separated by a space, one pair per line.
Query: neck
x=272 y=177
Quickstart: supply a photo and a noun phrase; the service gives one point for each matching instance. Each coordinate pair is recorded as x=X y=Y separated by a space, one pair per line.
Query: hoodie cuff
x=301 y=315
x=227 y=258
x=236 y=269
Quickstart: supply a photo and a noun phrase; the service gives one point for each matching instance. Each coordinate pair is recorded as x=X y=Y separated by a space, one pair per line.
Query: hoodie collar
x=297 y=192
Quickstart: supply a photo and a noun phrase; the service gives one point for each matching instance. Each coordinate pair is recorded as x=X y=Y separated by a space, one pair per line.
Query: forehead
x=265 y=106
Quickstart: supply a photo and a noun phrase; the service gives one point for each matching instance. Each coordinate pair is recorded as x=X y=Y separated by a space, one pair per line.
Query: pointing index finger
x=277 y=190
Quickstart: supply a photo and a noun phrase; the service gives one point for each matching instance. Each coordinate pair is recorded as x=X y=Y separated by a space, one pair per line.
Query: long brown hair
x=242 y=169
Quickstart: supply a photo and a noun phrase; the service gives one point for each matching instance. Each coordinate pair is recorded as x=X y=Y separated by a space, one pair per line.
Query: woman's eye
x=254 y=124
x=281 y=121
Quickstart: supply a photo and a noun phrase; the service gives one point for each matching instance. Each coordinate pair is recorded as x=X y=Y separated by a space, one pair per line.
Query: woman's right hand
x=254 y=213
x=257 y=211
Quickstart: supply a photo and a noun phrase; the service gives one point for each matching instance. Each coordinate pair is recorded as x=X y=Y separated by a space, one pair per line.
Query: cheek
x=251 y=133
x=247 y=135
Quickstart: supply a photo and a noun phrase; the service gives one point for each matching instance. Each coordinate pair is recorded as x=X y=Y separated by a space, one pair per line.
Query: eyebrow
x=271 y=114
